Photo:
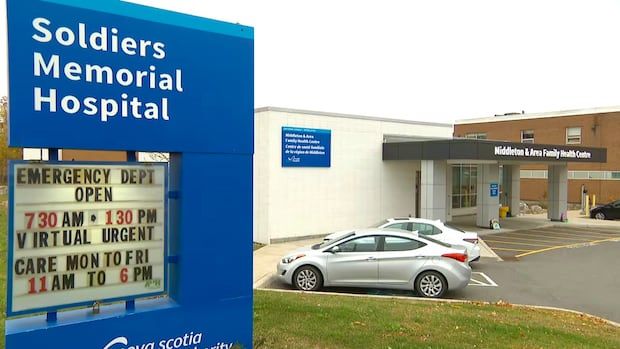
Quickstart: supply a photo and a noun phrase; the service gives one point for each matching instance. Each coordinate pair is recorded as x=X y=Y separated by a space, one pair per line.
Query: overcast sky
x=435 y=60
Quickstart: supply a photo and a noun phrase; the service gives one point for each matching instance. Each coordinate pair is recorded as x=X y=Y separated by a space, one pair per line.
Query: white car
x=431 y=228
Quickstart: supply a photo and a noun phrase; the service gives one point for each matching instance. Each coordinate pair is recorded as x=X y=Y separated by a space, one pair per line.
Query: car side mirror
x=334 y=249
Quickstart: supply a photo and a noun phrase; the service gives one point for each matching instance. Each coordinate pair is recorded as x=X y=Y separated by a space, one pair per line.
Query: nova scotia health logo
x=187 y=341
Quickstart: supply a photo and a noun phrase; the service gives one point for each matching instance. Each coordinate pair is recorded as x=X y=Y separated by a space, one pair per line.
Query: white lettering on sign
x=530 y=152
x=102 y=39
x=188 y=340
x=83 y=233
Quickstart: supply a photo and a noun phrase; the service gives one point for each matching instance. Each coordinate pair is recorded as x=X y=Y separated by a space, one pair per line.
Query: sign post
x=111 y=75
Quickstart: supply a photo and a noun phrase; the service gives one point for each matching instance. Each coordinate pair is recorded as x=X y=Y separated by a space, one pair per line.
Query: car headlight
x=290 y=259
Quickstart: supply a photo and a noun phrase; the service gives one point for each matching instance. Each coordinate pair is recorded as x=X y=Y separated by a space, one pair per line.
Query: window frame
x=476 y=135
x=527 y=140
x=568 y=137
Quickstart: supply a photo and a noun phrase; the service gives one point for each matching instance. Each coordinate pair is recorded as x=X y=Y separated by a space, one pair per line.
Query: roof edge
x=350 y=116
x=552 y=114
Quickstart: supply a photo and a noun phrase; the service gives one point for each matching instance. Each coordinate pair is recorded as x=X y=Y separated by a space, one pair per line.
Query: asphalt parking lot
x=567 y=267
x=517 y=244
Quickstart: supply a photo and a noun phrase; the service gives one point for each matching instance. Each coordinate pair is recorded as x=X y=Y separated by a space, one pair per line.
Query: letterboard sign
x=81 y=233
x=306 y=147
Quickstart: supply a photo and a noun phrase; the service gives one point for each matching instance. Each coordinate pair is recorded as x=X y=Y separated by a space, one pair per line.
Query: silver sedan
x=378 y=258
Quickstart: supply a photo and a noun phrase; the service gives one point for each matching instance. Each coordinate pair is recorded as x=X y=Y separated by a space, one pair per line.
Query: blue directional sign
x=82 y=76
x=306 y=147
x=494 y=190
x=111 y=75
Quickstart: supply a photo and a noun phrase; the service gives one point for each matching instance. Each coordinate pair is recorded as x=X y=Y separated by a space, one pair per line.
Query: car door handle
x=420 y=257
x=370 y=259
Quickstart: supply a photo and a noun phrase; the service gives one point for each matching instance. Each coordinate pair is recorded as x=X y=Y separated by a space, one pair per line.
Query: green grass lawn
x=290 y=320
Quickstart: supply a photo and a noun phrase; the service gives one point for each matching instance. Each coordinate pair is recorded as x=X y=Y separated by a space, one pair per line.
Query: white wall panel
x=359 y=188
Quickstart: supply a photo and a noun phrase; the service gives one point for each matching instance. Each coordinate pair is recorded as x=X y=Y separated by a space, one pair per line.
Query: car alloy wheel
x=431 y=284
x=599 y=215
x=308 y=278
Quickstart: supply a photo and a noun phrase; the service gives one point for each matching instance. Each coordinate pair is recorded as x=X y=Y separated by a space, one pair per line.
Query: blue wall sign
x=159 y=82
x=306 y=147
x=494 y=190
x=111 y=75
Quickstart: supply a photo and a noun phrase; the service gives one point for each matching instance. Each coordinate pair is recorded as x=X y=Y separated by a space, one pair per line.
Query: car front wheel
x=600 y=215
x=431 y=284
x=307 y=278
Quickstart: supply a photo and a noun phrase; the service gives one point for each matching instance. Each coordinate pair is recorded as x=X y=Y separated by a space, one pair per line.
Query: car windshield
x=455 y=228
x=435 y=241
x=379 y=224
x=329 y=242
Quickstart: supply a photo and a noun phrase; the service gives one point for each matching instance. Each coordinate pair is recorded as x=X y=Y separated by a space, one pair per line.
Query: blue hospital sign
x=129 y=239
x=306 y=147
x=84 y=73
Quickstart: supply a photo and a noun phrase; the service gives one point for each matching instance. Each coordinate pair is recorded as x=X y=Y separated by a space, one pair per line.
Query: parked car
x=378 y=258
x=431 y=228
x=607 y=211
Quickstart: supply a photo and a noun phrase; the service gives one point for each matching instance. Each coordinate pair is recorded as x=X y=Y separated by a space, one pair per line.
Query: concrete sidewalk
x=266 y=258
x=532 y=221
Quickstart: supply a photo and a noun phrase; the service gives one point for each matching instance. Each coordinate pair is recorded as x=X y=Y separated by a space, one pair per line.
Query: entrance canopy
x=476 y=149
x=436 y=190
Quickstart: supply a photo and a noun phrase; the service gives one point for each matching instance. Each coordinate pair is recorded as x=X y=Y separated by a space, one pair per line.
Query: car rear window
x=435 y=241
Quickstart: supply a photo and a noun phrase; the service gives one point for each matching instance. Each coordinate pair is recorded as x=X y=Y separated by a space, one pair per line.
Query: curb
x=450 y=301
x=481 y=242
x=260 y=281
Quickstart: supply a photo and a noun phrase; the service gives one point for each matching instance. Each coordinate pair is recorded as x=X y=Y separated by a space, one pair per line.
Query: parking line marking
x=516 y=243
x=564 y=246
x=535 y=239
x=563 y=233
x=524 y=234
x=509 y=249
x=585 y=230
x=488 y=283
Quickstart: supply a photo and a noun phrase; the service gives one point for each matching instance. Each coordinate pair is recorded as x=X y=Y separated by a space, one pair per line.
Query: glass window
x=476 y=135
x=362 y=244
x=464 y=185
x=615 y=175
x=426 y=229
x=393 y=243
x=527 y=136
x=573 y=135
x=403 y=226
